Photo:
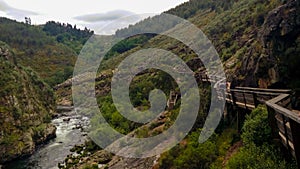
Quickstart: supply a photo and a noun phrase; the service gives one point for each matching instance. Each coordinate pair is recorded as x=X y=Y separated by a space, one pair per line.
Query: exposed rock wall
x=278 y=34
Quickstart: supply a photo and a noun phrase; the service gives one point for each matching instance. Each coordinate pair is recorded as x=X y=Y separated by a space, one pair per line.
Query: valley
x=258 y=43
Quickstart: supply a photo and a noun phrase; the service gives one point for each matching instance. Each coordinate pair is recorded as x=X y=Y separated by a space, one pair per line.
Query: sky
x=93 y=14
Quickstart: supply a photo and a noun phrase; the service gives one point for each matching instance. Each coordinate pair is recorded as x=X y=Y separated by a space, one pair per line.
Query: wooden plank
x=265 y=90
x=291 y=146
x=249 y=98
x=272 y=121
x=284 y=112
x=283 y=139
x=284 y=120
x=295 y=129
x=242 y=105
x=287 y=143
x=281 y=128
x=262 y=98
x=279 y=118
x=257 y=92
x=278 y=98
x=272 y=103
x=229 y=100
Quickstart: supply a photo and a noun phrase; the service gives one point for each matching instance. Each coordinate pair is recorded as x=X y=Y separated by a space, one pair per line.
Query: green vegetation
x=94 y=166
x=33 y=48
x=256 y=128
x=127 y=44
x=238 y=31
x=26 y=106
x=235 y=28
x=258 y=158
x=259 y=150
x=68 y=35
x=190 y=154
x=190 y=8
x=139 y=91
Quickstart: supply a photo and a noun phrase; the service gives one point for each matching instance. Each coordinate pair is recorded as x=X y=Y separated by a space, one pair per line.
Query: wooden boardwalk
x=284 y=121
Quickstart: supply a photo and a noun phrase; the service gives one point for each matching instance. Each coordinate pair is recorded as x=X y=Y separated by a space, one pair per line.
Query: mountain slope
x=26 y=108
x=247 y=35
x=34 y=48
x=67 y=34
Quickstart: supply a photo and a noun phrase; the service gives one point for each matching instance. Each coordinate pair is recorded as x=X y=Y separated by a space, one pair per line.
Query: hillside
x=26 y=108
x=33 y=48
x=258 y=42
x=247 y=35
x=68 y=35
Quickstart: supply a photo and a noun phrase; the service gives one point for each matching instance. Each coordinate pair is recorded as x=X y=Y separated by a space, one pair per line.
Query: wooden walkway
x=284 y=121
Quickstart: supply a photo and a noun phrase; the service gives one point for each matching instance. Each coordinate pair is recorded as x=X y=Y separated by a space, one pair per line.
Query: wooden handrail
x=282 y=110
x=256 y=92
x=265 y=90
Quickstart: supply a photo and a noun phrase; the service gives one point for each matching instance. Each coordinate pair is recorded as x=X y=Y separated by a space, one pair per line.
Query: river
x=70 y=131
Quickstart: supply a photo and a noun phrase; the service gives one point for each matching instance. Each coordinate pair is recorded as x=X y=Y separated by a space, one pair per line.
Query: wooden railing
x=285 y=123
x=249 y=98
x=172 y=100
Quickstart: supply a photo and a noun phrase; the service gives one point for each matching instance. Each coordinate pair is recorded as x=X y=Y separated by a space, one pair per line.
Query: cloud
x=107 y=23
x=14 y=12
x=104 y=17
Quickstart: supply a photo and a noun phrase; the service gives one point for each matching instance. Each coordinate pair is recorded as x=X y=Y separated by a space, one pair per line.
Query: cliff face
x=279 y=39
x=26 y=109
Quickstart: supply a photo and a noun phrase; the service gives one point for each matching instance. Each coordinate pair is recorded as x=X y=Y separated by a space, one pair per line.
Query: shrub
x=256 y=128
x=258 y=152
x=257 y=157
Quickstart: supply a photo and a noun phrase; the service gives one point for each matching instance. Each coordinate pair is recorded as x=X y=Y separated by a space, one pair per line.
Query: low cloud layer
x=107 y=23
x=103 y=17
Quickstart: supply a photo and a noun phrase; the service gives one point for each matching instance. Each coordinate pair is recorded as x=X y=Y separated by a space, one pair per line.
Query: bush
x=256 y=128
x=94 y=166
x=257 y=157
x=258 y=152
x=191 y=154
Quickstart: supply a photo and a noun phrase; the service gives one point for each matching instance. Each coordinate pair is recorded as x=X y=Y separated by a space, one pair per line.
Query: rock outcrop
x=277 y=39
x=279 y=33
x=26 y=109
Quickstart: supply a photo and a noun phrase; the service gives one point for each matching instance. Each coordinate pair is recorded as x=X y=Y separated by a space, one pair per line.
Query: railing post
x=295 y=129
x=255 y=99
x=245 y=101
x=273 y=122
x=236 y=108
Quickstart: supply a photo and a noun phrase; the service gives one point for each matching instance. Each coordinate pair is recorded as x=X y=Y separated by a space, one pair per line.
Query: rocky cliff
x=278 y=42
x=26 y=108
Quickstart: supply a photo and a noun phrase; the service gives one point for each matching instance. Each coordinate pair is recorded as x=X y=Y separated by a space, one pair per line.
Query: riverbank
x=70 y=131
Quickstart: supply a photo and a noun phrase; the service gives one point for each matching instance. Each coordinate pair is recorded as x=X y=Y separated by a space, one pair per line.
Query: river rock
x=47 y=134
x=67 y=119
